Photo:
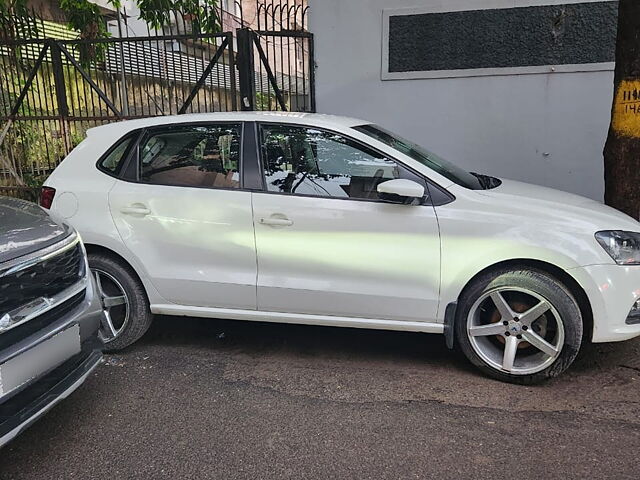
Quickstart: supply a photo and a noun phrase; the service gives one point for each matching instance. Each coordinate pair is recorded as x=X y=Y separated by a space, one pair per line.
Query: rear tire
x=126 y=311
x=518 y=325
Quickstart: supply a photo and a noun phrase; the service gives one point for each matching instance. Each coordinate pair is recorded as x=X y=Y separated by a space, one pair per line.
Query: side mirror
x=400 y=190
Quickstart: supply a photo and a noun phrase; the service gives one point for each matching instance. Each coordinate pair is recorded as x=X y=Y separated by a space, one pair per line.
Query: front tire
x=519 y=325
x=125 y=306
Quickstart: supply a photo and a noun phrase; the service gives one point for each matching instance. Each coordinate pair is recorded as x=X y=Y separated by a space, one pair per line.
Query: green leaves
x=199 y=17
x=201 y=14
x=15 y=7
x=86 y=18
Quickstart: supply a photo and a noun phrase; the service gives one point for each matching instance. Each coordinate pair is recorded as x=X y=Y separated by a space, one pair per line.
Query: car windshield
x=428 y=159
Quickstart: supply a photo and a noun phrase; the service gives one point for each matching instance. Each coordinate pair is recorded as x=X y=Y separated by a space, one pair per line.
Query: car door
x=327 y=244
x=184 y=215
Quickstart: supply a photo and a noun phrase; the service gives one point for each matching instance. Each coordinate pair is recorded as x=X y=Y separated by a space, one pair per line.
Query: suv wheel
x=126 y=313
x=519 y=326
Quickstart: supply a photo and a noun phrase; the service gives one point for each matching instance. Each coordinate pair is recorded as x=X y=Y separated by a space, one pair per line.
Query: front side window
x=428 y=159
x=195 y=156
x=308 y=161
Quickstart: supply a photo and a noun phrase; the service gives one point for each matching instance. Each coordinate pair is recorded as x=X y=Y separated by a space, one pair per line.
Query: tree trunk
x=622 y=150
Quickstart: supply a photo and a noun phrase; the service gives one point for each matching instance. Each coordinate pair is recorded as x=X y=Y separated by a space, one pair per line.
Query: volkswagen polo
x=326 y=220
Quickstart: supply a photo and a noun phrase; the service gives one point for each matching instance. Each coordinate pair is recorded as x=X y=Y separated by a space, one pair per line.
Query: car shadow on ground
x=347 y=364
x=364 y=344
x=304 y=340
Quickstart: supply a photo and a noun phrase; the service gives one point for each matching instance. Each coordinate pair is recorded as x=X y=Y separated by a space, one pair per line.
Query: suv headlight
x=624 y=247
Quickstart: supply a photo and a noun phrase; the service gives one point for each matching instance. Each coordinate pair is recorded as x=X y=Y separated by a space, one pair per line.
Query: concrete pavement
x=218 y=399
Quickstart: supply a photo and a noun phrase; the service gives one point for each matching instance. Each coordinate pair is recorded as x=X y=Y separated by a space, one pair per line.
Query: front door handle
x=276 y=222
x=135 y=209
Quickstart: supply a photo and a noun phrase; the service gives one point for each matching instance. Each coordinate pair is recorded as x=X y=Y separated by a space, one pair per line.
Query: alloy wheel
x=515 y=330
x=115 y=305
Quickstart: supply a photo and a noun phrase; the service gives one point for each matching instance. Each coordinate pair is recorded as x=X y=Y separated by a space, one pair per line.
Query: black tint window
x=115 y=158
x=314 y=162
x=198 y=156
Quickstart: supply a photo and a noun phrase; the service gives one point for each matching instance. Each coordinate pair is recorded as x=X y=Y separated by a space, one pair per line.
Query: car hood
x=26 y=227
x=540 y=201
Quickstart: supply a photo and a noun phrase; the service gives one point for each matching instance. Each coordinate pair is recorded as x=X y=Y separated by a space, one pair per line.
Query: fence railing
x=25 y=193
x=55 y=84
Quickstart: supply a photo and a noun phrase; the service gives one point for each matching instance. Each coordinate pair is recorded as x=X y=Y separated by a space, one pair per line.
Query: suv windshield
x=431 y=160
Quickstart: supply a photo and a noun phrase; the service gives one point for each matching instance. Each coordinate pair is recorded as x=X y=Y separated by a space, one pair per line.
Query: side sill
x=298 y=318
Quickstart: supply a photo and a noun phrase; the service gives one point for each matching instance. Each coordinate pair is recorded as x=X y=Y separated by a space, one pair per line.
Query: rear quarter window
x=112 y=162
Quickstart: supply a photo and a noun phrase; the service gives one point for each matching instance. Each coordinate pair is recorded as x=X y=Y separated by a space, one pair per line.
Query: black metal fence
x=55 y=85
x=285 y=49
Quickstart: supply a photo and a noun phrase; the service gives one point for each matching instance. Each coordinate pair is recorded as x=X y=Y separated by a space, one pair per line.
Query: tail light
x=46 y=197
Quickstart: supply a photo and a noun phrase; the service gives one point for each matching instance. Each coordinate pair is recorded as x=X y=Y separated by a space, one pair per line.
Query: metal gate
x=54 y=86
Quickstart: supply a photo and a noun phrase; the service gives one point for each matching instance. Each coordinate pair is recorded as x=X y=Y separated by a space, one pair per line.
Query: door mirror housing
x=400 y=190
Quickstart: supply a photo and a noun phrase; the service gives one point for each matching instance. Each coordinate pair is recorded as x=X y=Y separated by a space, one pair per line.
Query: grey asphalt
x=200 y=399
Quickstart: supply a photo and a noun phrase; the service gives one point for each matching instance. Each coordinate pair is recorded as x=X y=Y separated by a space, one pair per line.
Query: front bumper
x=612 y=291
x=23 y=409
x=19 y=409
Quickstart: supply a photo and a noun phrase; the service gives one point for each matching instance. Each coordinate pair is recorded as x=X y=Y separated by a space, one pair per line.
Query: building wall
x=532 y=123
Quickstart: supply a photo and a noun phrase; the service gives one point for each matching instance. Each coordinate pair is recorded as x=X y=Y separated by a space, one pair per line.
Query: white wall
x=547 y=129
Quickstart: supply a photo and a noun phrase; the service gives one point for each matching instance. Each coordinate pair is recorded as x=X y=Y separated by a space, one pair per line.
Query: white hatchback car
x=326 y=220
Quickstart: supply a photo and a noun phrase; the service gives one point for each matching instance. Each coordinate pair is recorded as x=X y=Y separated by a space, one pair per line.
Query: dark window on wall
x=307 y=161
x=573 y=33
x=196 y=156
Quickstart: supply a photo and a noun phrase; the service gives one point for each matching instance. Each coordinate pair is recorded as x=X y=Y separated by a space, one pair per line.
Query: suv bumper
x=19 y=409
x=19 y=413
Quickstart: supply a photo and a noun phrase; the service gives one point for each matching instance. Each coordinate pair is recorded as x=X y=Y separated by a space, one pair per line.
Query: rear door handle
x=135 y=209
x=276 y=222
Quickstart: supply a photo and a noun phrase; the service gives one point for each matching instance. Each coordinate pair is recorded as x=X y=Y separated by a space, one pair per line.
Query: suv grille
x=21 y=332
x=44 y=279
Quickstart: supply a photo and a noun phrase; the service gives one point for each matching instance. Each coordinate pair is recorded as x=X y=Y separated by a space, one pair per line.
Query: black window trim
x=131 y=172
x=428 y=182
x=252 y=174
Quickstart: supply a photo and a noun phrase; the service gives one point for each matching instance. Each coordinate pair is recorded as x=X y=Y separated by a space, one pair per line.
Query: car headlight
x=624 y=247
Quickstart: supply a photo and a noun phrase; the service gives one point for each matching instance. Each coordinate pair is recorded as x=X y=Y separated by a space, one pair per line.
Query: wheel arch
x=148 y=287
x=559 y=274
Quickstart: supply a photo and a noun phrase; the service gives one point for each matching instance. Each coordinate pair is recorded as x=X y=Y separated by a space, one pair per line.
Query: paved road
x=211 y=399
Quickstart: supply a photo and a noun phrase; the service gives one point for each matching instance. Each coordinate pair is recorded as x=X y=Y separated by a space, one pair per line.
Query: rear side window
x=113 y=162
x=195 y=156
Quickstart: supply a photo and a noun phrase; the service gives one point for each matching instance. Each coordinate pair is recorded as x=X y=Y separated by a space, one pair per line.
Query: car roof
x=312 y=119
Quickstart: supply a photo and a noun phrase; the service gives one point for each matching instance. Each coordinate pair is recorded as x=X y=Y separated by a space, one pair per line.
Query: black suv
x=49 y=316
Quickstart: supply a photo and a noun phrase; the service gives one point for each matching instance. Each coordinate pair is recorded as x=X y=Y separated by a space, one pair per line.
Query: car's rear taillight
x=46 y=196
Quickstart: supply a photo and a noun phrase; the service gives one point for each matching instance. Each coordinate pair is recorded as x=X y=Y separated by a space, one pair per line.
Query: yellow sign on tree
x=626 y=109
